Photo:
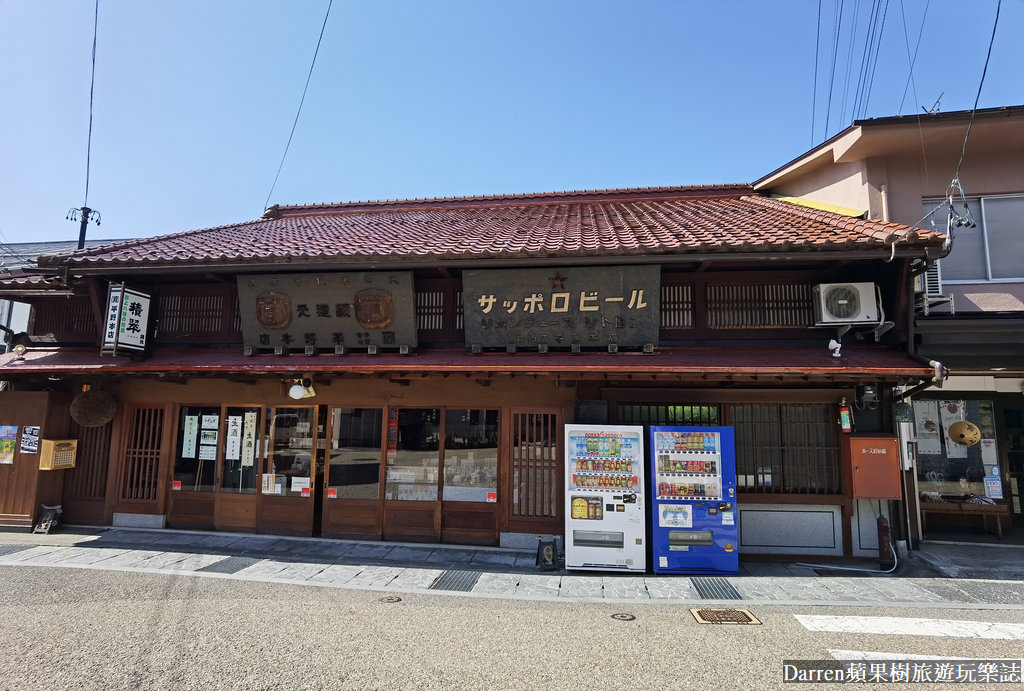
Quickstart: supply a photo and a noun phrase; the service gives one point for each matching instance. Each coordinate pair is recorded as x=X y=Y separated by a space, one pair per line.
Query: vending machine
x=693 y=500
x=605 y=516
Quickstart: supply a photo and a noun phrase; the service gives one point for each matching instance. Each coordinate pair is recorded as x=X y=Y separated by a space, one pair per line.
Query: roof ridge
x=277 y=210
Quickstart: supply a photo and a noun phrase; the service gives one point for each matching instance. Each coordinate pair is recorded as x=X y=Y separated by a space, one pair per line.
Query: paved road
x=68 y=628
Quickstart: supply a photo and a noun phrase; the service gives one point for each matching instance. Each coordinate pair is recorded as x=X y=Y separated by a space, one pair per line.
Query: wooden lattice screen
x=141 y=463
x=88 y=479
x=536 y=472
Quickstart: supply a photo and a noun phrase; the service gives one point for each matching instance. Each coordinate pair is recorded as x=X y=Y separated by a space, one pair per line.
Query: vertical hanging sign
x=127 y=321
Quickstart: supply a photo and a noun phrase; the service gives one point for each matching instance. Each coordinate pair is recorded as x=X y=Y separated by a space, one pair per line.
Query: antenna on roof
x=935 y=106
x=85 y=214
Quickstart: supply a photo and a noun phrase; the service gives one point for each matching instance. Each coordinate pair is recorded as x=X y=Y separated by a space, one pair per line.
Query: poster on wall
x=190 y=436
x=8 y=437
x=950 y=412
x=249 y=439
x=30 y=439
x=926 y=422
x=233 y=438
x=211 y=421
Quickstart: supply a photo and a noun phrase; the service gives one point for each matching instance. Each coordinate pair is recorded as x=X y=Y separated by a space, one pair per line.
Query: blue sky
x=194 y=99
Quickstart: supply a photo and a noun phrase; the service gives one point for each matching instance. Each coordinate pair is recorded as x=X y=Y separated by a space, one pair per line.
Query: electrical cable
x=906 y=41
x=828 y=567
x=984 y=71
x=837 y=24
x=92 y=87
x=874 y=62
x=301 y=101
x=814 y=86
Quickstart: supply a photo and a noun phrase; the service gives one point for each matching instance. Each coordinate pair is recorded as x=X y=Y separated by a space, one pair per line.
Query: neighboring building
x=15 y=259
x=403 y=370
x=969 y=296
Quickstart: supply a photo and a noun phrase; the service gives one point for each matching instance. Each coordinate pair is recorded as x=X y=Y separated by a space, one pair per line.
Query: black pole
x=85 y=211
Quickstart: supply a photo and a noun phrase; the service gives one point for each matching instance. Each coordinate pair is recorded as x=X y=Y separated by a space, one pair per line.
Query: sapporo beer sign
x=127 y=320
x=325 y=310
x=589 y=306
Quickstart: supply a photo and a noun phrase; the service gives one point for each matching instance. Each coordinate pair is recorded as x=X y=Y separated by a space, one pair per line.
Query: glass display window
x=354 y=453
x=470 y=455
x=288 y=463
x=241 y=449
x=413 y=460
x=195 y=460
x=946 y=468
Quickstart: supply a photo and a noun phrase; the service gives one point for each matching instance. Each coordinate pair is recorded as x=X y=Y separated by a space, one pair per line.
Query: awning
x=729 y=363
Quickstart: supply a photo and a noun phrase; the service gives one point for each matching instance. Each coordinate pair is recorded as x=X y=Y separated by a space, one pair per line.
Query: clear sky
x=194 y=99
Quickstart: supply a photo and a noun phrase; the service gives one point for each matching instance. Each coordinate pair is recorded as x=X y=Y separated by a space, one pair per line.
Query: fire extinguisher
x=845 y=419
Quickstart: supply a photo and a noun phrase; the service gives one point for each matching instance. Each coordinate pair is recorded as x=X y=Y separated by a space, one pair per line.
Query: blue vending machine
x=693 y=507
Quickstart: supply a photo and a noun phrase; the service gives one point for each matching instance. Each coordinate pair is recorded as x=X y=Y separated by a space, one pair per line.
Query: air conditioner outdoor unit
x=845 y=303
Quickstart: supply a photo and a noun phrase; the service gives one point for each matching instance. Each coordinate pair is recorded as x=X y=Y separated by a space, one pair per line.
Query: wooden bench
x=960 y=508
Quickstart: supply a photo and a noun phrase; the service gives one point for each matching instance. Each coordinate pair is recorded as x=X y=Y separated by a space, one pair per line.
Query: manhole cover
x=390 y=598
x=624 y=617
x=723 y=616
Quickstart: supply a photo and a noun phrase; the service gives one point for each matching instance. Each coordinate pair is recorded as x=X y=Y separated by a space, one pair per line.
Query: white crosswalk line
x=904 y=626
x=874 y=655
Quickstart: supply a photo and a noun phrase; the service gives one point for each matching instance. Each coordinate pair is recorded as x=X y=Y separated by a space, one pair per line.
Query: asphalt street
x=68 y=628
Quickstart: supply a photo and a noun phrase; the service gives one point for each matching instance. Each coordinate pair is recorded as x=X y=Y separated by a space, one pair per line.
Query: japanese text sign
x=589 y=306
x=127 y=319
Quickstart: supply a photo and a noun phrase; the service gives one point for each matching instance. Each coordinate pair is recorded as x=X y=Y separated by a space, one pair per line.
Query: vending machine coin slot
x=629 y=498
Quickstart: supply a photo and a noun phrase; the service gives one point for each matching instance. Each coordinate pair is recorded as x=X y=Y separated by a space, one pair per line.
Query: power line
x=991 y=40
x=814 y=87
x=913 y=59
x=85 y=214
x=301 y=101
x=874 y=62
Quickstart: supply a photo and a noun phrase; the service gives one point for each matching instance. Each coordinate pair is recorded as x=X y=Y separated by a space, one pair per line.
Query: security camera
x=834 y=346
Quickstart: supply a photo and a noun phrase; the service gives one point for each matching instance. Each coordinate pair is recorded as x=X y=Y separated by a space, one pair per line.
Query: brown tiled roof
x=608 y=223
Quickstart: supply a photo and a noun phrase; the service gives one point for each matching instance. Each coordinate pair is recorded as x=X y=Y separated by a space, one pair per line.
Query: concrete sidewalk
x=938 y=575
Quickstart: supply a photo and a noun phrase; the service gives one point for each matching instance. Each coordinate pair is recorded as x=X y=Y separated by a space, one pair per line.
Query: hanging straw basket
x=93 y=408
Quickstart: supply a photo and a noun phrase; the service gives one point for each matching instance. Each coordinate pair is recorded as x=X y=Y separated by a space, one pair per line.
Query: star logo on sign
x=557 y=281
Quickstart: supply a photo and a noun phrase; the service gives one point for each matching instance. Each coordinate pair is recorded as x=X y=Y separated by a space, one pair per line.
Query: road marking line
x=912 y=627
x=872 y=655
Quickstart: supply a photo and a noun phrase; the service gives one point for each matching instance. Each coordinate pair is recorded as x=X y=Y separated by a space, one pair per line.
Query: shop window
x=466 y=440
x=288 y=467
x=355 y=444
x=413 y=460
x=241 y=450
x=470 y=455
x=946 y=468
x=195 y=460
x=785 y=448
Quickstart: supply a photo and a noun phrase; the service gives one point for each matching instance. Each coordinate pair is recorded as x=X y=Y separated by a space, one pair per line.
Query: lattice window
x=662 y=414
x=785 y=448
x=760 y=306
x=141 y=461
x=536 y=466
x=63 y=321
x=88 y=479
x=430 y=310
x=676 y=307
x=205 y=314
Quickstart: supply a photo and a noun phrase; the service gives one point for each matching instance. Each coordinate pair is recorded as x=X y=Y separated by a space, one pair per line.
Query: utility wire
x=874 y=62
x=92 y=87
x=963 y=151
x=814 y=87
x=913 y=59
x=301 y=101
x=837 y=24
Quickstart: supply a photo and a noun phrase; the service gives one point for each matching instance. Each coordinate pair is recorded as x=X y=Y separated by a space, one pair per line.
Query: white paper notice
x=300 y=483
x=268 y=483
x=208 y=453
x=926 y=422
x=249 y=439
x=950 y=412
x=233 y=439
x=988 y=452
x=188 y=443
x=210 y=421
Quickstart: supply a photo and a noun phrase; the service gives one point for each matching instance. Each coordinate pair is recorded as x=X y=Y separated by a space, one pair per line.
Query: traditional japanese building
x=402 y=370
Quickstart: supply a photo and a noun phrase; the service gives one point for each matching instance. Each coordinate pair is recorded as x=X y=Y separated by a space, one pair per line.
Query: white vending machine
x=605 y=518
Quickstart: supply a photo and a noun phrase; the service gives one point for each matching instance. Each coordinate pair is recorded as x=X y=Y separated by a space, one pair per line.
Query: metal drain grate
x=723 y=616
x=460 y=581
x=10 y=549
x=230 y=565
x=715 y=588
